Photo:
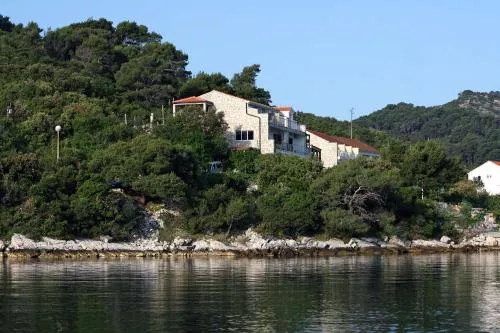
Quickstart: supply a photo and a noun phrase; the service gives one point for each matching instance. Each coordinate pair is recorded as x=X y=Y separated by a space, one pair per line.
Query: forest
x=101 y=82
x=468 y=127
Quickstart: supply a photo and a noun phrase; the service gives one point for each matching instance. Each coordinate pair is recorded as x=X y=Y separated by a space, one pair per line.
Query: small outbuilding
x=332 y=150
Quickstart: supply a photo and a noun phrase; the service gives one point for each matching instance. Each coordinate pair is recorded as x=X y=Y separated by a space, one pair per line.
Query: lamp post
x=58 y=129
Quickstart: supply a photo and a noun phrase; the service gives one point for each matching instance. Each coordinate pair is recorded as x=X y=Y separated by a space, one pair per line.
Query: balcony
x=344 y=155
x=286 y=123
x=292 y=149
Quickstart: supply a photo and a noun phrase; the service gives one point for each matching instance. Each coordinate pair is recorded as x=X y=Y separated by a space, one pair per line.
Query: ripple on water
x=411 y=293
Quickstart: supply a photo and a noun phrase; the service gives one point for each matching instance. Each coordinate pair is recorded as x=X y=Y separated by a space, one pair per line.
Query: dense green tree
x=154 y=76
x=244 y=85
x=363 y=189
x=6 y=24
x=426 y=165
x=149 y=166
x=202 y=131
x=285 y=212
x=286 y=205
x=131 y=33
x=203 y=83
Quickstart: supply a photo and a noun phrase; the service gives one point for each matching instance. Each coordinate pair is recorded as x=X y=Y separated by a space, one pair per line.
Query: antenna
x=352 y=112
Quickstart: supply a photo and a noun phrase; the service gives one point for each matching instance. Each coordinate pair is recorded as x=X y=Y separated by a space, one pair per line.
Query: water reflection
x=449 y=292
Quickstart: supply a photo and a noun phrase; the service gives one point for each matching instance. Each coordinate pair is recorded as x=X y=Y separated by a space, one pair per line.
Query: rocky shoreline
x=249 y=244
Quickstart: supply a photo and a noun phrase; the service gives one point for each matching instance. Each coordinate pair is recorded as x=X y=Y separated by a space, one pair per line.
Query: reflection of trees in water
x=486 y=290
x=427 y=292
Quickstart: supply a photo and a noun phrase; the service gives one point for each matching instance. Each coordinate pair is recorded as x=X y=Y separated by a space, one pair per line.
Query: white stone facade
x=489 y=174
x=329 y=150
x=332 y=150
x=271 y=130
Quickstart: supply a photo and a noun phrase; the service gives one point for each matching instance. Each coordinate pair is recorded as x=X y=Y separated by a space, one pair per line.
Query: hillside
x=468 y=126
x=100 y=83
x=333 y=126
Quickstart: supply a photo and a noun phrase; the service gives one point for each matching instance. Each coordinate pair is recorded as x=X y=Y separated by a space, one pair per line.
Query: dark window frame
x=244 y=135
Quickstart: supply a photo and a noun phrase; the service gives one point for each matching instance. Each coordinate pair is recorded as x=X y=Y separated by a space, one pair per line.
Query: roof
x=191 y=99
x=243 y=99
x=496 y=162
x=283 y=108
x=364 y=147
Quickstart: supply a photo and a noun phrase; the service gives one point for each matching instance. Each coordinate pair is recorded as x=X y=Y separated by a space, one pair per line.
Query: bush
x=340 y=223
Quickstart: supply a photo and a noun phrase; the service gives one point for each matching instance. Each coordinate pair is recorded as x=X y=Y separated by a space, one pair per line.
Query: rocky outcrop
x=249 y=243
x=445 y=239
x=481 y=241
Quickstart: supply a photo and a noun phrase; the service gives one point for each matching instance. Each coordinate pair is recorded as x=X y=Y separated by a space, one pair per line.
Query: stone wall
x=329 y=150
x=235 y=115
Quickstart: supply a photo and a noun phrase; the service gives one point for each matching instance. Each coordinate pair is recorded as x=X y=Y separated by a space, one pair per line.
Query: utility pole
x=352 y=112
x=162 y=115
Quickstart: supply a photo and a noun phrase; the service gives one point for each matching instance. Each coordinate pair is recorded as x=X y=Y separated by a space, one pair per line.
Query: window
x=244 y=135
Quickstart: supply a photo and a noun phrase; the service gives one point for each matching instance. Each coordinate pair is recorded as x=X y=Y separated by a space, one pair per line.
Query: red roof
x=496 y=162
x=192 y=99
x=346 y=141
x=283 y=108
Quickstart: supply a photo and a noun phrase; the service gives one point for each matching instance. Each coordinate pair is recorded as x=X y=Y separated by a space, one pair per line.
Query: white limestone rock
x=445 y=239
x=490 y=241
x=20 y=242
x=255 y=240
x=375 y=241
x=51 y=244
x=179 y=241
x=357 y=243
x=211 y=245
x=395 y=241
x=313 y=244
x=422 y=243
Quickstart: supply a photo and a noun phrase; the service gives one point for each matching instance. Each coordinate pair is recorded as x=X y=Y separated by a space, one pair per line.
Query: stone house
x=489 y=174
x=254 y=125
x=332 y=150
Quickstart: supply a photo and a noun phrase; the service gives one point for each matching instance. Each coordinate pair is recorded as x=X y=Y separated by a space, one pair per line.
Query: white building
x=254 y=125
x=489 y=174
x=332 y=150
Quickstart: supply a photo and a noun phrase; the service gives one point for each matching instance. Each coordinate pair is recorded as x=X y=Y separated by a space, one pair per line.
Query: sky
x=323 y=57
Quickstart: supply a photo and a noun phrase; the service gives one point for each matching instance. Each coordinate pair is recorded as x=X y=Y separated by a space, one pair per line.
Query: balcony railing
x=284 y=122
x=294 y=149
x=344 y=155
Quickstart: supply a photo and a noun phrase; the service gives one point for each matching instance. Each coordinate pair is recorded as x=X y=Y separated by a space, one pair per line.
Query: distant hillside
x=333 y=126
x=469 y=126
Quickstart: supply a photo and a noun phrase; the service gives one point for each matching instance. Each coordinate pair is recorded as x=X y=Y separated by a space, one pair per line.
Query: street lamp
x=58 y=129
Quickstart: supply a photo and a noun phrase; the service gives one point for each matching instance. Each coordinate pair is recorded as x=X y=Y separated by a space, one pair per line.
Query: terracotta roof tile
x=283 y=108
x=191 y=99
x=496 y=162
x=364 y=147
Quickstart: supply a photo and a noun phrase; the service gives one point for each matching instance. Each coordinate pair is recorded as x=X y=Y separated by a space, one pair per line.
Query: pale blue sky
x=322 y=57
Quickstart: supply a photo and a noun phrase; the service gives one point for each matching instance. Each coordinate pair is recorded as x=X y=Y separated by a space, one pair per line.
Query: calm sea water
x=431 y=293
